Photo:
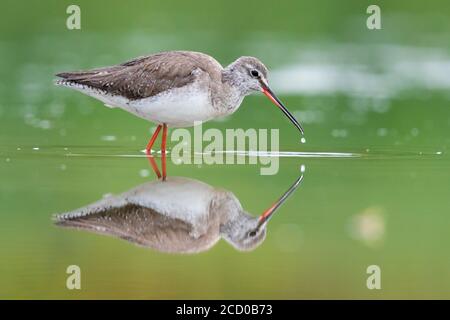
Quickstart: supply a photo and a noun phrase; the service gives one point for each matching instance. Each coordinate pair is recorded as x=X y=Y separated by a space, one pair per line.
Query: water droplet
x=109 y=138
x=144 y=173
x=45 y=124
x=302 y=168
x=339 y=133
x=36 y=148
x=303 y=140
x=382 y=132
x=381 y=105
x=369 y=226
x=439 y=152
x=309 y=116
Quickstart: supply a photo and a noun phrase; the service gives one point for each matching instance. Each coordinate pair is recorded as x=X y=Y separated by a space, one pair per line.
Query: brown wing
x=142 y=226
x=145 y=76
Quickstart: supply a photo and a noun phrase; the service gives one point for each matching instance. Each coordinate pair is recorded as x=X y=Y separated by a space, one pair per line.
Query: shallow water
x=389 y=210
x=376 y=180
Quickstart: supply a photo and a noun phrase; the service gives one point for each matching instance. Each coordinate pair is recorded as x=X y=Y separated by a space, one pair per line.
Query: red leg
x=152 y=140
x=154 y=165
x=148 y=150
x=163 y=151
x=164 y=138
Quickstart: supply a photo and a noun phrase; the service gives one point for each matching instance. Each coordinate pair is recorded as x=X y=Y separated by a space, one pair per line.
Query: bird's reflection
x=178 y=215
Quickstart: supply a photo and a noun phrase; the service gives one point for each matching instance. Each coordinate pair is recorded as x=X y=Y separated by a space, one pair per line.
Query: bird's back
x=145 y=76
x=145 y=227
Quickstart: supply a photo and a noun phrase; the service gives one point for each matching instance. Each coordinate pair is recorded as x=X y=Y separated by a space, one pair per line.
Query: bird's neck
x=226 y=203
x=229 y=76
x=227 y=96
x=232 y=78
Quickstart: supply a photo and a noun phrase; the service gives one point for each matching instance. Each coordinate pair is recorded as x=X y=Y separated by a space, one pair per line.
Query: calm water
x=375 y=107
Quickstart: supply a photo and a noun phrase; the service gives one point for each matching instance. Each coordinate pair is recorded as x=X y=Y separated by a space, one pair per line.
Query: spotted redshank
x=175 y=88
x=179 y=215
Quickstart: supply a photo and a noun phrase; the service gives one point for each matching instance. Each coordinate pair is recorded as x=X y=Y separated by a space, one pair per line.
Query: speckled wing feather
x=137 y=224
x=140 y=225
x=142 y=77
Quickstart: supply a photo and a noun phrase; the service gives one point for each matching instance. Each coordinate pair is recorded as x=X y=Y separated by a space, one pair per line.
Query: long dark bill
x=271 y=95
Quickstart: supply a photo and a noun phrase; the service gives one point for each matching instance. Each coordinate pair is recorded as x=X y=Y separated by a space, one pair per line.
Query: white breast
x=178 y=107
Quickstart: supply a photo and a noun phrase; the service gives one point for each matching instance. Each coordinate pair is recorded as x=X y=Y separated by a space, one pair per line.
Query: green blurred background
x=382 y=95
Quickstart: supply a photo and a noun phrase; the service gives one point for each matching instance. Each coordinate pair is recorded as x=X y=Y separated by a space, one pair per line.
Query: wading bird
x=175 y=88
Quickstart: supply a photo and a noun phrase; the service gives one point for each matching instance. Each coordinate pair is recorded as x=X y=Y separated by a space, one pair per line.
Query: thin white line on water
x=281 y=154
x=288 y=154
x=104 y=155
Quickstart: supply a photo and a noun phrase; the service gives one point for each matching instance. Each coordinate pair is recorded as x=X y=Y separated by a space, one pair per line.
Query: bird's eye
x=252 y=233
x=254 y=73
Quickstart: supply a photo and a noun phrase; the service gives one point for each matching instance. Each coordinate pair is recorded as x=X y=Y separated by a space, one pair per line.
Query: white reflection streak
x=288 y=154
x=282 y=154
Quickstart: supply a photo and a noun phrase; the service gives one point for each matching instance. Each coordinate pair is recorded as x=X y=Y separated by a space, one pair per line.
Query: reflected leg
x=154 y=165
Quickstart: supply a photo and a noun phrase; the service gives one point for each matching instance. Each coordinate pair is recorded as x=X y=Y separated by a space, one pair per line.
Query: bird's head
x=249 y=75
x=244 y=232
